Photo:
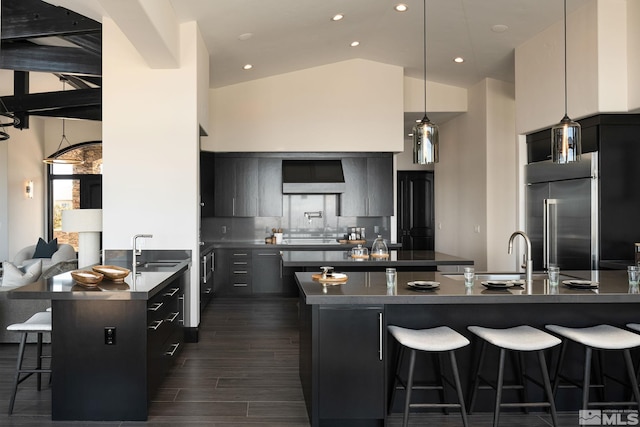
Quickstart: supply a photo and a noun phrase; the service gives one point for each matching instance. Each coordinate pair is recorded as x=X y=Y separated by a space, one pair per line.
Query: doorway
x=416 y=210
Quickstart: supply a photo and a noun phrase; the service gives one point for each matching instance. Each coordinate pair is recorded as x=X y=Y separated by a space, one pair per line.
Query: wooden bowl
x=112 y=272
x=87 y=277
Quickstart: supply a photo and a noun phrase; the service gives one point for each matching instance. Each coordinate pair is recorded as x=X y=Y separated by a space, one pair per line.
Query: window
x=74 y=187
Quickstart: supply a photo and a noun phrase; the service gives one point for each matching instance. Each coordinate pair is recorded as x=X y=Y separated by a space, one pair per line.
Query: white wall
x=502 y=174
x=633 y=47
x=475 y=180
x=354 y=105
x=598 y=72
x=150 y=148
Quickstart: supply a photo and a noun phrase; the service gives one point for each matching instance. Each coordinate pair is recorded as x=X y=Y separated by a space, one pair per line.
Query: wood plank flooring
x=243 y=372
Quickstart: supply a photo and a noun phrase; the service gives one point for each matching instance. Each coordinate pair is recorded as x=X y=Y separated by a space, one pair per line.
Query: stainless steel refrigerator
x=562 y=213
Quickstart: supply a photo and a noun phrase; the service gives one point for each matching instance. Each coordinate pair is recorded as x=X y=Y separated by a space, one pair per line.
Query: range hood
x=312 y=177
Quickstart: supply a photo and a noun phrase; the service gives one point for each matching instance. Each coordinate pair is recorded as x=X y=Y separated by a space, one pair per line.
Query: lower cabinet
x=342 y=364
x=109 y=357
x=267 y=272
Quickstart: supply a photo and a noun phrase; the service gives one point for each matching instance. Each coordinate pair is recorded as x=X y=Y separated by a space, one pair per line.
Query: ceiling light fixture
x=425 y=133
x=13 y=121
x=247 y=67
x=60 y=159
x=337 y=17
x=458 y=59
x=401 y=7
x=355 y=43
x=566 y=144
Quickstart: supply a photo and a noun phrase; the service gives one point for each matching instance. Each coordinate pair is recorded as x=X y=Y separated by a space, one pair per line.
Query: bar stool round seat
x=599 y=337
x=519 y=339
x=435 y=340
x=39 y=323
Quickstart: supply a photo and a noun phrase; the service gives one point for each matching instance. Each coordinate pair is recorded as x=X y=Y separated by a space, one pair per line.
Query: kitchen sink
x=503 y=276
x=311 y=241
x=158 y=266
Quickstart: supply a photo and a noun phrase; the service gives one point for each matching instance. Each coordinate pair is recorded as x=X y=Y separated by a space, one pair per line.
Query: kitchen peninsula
x=112 y=344
x=346 y=353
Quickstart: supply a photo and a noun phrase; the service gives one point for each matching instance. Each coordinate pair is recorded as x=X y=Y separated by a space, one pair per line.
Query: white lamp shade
x=82 y=220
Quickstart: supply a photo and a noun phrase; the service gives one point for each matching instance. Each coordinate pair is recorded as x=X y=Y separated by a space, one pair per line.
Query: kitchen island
x=113 y=343
x=400 y=259
x=346 y=352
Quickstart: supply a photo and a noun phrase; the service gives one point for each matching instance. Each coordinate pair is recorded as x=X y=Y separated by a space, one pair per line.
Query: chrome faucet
x=309 y=215
x=528 y=262
x=136 y=251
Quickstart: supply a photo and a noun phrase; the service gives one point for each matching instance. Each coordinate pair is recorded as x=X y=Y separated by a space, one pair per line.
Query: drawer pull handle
x=240 y=254
x=240 y=285
x=239 y=271
x=155 y=307
x=173 y=316
x=240 y=263
x=208 y=291
x=269 y=254
x=172 y=292
x=171 y=352
x=155 y=325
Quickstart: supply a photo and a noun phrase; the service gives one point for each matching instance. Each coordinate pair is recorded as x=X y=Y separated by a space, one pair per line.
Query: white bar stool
x=39 y=323
x=600 y=337
x=521 y=339
x=436 y=340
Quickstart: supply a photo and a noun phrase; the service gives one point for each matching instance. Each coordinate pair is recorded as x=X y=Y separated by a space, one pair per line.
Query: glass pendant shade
x=425 y=142
x=566 y=145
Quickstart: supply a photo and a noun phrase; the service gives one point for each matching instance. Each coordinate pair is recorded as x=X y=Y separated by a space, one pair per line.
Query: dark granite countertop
x=63 y=287
x=370 y=288
x=397 y=258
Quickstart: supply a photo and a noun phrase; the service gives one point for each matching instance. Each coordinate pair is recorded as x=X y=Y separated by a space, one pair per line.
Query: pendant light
x=566 y=144
x=13 y=121
x=62 y=159
x=425 y=133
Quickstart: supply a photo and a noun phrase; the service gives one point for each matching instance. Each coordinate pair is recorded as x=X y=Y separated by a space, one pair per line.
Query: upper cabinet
x=369 y=186
x=207 y=178
x=247 y=186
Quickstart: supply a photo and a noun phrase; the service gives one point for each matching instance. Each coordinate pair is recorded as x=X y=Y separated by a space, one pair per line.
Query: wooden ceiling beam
x=26 y=19
x=93 y=112
x=41 y=102
x=52 y=59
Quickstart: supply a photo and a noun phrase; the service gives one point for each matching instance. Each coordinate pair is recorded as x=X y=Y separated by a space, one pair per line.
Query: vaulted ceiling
x=39 y=37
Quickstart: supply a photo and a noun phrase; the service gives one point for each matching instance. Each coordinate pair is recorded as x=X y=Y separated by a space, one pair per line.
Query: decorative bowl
x=87 y=277
x=112 y=272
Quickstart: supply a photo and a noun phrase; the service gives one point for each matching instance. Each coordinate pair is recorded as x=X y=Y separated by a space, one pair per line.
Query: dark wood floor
x=243 y=372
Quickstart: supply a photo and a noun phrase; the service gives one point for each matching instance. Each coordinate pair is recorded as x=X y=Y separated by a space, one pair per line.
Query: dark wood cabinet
x=342 y=366
x=94 y=380
x=236 y=186
x=267 y=272
x=207 y=269
x=207 y=179
x=269 y=187
x=369 y=186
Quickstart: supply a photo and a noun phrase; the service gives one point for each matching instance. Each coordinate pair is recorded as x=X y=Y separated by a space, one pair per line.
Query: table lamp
x=88 y=224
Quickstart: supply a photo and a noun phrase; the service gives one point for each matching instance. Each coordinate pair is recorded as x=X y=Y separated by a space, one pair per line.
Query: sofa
x=19 y=310
x=65 y=252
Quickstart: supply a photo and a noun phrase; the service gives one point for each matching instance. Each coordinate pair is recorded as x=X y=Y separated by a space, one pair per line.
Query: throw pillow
x=13 y=276
x=44 y=249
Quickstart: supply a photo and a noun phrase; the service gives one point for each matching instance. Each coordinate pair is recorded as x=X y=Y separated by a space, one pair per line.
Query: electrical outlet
x=224 y=229
x=476 y=229
x=439 y=226
x=110 y=335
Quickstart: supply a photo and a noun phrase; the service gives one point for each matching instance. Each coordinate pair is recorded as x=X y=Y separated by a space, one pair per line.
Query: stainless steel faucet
x=309 y=215
x=136 y=252
x=528 y=262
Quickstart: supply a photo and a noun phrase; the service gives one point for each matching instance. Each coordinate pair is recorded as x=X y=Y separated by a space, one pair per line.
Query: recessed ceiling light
x=499 y=28
x=409 y=134
x=458 y=59
x=337 y=17
x=401 y=7
x=245 y=36
x=355 y=43
x=247 y=67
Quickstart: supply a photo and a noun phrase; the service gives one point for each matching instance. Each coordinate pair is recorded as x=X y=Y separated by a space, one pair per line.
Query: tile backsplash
x=294 y=222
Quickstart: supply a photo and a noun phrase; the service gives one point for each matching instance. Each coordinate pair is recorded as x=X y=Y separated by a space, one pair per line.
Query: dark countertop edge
x=22 y=293
x=257 y=245
x=470 y=299
x=369 y=263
